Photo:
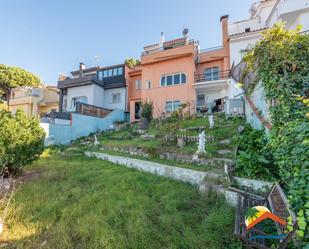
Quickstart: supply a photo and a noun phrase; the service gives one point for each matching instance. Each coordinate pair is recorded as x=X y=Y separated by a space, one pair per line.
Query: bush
x=254 y=159
x=147 y=110
x=21 y=141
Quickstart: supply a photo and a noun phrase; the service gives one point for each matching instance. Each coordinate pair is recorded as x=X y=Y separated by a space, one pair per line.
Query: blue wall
x=82 y=125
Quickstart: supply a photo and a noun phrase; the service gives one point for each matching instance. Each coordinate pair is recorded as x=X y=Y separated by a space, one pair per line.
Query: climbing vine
x=280 y=61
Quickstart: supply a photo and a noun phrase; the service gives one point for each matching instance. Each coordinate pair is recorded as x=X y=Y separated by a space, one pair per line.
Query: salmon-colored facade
x=176 y=72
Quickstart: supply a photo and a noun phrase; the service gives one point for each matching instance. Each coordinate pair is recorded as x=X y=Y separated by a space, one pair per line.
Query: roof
x=81 y=81
x=86 y=70
x=251 y=31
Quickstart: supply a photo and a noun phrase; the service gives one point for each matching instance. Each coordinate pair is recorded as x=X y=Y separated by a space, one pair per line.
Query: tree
x=131 y=62
x=11 y=77
x=21 y=141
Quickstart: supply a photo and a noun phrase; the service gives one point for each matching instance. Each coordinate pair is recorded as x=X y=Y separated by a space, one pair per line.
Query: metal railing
x=91 y=110
x=159 y=49
x=221 y=75
x=205 y=50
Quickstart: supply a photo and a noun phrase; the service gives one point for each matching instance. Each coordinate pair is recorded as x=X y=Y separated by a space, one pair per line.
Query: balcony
x=214 y=81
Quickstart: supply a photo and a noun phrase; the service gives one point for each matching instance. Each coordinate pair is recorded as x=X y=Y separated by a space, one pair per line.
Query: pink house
x=178 y=71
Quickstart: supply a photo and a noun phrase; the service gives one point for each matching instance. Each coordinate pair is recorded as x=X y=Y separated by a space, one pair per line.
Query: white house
x=244 y=34
x=103 y=87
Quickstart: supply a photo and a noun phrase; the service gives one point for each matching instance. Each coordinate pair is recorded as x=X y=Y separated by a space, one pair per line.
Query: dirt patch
x=29 y=175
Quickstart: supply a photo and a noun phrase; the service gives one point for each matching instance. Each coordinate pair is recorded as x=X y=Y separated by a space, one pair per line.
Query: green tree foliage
x=11 y=77
x=21 y=140
x=147 y=110
x=254 y=159
x=281 y=62
x=131 y=62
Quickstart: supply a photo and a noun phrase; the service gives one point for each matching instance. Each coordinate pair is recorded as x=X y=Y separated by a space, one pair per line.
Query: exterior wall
x=41 y=100
x=238 y=44
x=259 y=100
x=108 y=103
x=153 y=72
x=87 y=91
x=81 y=125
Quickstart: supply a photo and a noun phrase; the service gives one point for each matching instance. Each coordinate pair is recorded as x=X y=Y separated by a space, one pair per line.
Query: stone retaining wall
x=193 y=177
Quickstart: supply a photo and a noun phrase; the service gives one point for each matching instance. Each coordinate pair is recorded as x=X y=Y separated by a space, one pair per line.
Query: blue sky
x=49 y=37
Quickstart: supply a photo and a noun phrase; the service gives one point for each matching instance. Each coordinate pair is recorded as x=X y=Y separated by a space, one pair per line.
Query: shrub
x=21 y=140
x=147 y=110
x=254 y=159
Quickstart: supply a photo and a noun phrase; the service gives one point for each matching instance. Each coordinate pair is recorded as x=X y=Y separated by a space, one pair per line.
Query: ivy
x=280 y=61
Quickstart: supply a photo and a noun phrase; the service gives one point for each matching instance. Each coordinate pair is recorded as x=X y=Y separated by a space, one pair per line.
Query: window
x=212 y=74
x=169 y=80
x=115 y=98
x=171 y=106
x=173 y=79
x=138 y=84
x=110 y=72
x=120 y=71
x=115 y=71
x=81 y=99
x=148 y=84
x=176 y=79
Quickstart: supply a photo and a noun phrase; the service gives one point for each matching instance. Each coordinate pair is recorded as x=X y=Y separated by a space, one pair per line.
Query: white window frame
x=213 y=75
x=163 y=79
x=77 y=99
x=173 y=102
x=115 y=99
x=138 y=84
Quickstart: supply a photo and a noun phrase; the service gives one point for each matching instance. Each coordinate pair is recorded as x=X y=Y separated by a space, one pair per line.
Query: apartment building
x=178 y=71
x=171 y=73
x=36 y=101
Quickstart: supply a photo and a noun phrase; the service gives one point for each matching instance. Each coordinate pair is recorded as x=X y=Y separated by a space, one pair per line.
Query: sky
x=48 y=37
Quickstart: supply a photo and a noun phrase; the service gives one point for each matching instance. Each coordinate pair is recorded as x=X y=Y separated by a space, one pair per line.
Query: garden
x=58 y=198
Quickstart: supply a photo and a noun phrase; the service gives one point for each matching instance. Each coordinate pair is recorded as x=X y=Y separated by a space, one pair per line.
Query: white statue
x=201 y=143
x=211 y=121
x=96 y=142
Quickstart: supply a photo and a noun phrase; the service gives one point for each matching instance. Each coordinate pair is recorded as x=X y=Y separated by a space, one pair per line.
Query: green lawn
x=87 y=203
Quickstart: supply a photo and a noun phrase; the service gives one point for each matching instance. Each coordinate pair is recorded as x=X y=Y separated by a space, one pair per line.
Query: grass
x=127 y=138
x=87 y=203
x=224 y=129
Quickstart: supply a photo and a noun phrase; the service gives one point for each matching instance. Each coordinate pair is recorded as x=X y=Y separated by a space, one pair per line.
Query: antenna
x=97 y=59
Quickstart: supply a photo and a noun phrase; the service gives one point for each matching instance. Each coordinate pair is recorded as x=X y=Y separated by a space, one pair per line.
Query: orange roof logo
x=257 y=214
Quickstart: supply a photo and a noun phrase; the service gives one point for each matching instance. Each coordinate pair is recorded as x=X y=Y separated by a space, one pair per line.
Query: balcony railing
x=201 y=51
x=159 y=49
x=221 y=75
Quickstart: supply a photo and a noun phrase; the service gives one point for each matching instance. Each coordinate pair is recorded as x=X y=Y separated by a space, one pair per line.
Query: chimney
x=82 y=66
x=162 y=40
x=225 y=41
x=225 y=35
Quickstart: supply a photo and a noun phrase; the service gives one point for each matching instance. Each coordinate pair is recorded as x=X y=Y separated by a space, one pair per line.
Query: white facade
x=244 y=35
x=97 y=96
x=115 y=98
x=264 y=14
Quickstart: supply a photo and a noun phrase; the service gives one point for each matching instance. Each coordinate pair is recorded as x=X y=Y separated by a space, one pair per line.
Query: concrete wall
x=81 y=125
x=258 y=98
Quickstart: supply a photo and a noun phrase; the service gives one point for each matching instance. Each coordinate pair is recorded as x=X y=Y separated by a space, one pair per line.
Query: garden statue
x=211 y=121
x=96 y=142
x=201 y=143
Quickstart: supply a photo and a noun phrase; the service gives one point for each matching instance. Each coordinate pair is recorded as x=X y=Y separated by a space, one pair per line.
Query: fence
x=187 y=138
x=91 y=110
